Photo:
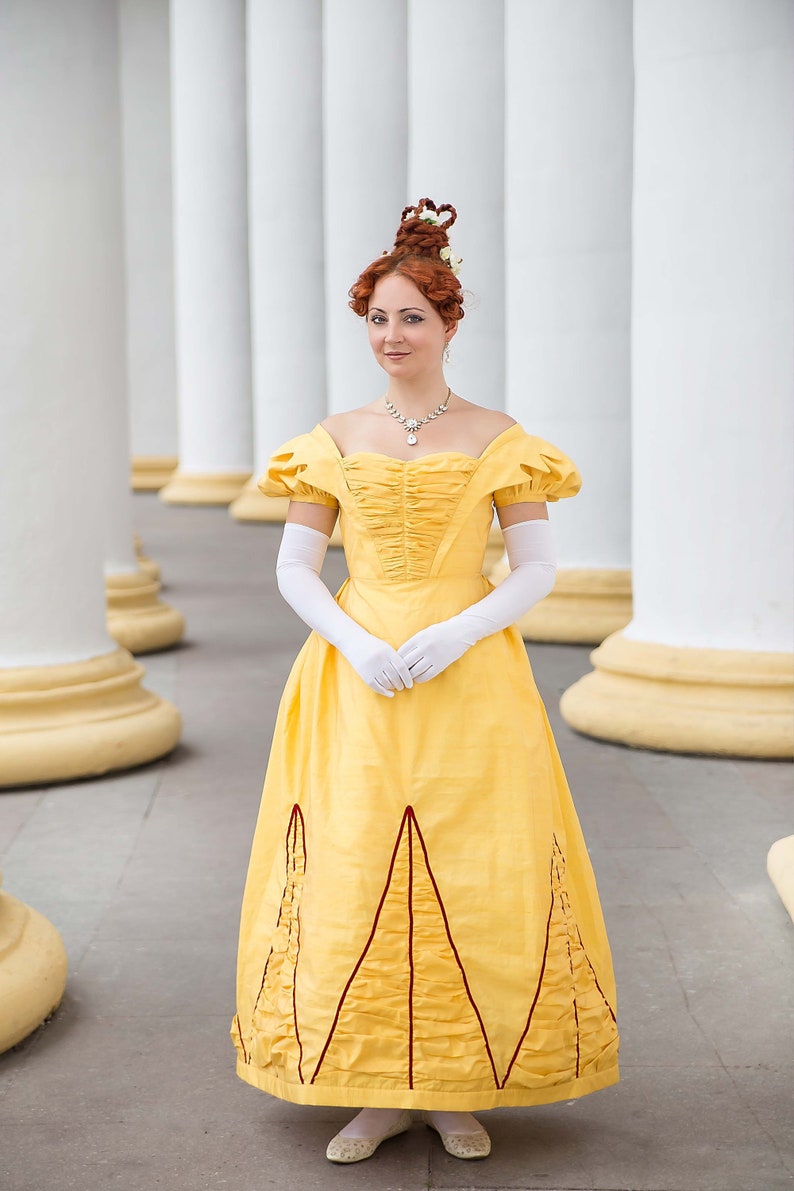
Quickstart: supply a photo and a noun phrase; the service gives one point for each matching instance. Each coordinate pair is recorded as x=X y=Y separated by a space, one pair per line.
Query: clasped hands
x=427 y=653
x=422 y=657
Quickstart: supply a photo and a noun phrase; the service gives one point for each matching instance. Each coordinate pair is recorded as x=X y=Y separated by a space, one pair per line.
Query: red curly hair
x=415 y=255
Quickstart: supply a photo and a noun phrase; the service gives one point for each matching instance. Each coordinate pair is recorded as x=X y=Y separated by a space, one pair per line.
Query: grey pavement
x=131 y=1085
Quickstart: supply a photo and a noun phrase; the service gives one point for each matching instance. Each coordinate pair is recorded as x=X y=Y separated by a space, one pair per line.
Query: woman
x=421 y=927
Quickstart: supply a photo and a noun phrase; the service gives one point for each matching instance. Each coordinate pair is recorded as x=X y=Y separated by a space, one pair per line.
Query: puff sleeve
x=535 y=471
x=300 y=471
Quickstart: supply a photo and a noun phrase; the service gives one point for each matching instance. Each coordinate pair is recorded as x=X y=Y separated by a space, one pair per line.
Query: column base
x=80 y=719
x=732 y=703
x=251 y=505
x=217 y=488
x=33 y=969
x=780 y=866
x=136 y=618
x=147 y=565
x=151 y=472
x=586 y=605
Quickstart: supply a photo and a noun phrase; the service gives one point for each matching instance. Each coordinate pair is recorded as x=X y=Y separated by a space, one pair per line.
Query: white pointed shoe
x=356 y=1149
x=462 y=1145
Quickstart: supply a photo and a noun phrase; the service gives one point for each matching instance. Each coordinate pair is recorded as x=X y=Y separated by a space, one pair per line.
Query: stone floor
x=131 y=1085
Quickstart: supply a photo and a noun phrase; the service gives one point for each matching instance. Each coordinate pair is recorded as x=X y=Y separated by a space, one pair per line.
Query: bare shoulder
x=333 y=423
x=347 y=427
x=495 y=420
x=350 y=417
x=334 y=426
x=485 y=423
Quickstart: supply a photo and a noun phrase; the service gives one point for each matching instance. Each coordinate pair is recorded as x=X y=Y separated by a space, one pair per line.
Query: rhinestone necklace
x=414 y=424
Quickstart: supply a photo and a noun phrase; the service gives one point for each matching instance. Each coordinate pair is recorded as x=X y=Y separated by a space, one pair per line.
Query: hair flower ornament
x=449 y=258
x=428 y=215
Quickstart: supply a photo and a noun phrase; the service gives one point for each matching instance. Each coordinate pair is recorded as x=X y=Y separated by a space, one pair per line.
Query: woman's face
x=406 y=332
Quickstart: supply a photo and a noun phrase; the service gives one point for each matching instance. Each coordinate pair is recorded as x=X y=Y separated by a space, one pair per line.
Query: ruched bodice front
x=421 y=926
x=400 y=512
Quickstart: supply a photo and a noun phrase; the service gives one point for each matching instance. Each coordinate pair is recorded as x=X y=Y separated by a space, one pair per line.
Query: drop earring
x=445 y=356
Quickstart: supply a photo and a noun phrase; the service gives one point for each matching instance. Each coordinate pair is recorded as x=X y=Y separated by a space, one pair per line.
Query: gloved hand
x=431 y=650
x=374 y=660
x=298 y=567
x=533 y=567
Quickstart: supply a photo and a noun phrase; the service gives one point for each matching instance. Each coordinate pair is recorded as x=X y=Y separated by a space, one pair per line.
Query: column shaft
x=285 y=203
x=137 y=619
x=365 y=129
x=148 y=234
x=211 y=244
x=456 y=155
x=712 y=340
x=567 y=246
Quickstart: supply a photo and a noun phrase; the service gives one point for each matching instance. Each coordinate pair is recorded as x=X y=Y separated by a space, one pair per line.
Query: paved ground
x=131 y=1085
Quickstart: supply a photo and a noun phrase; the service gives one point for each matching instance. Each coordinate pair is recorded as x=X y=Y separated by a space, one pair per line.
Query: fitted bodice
x=423 y=518
x=413 y=519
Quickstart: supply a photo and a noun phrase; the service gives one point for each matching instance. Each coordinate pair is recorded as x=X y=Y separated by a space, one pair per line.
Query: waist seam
x=415 y=578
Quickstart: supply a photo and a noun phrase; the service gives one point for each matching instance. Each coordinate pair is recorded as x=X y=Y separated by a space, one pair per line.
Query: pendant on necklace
x=411 y=425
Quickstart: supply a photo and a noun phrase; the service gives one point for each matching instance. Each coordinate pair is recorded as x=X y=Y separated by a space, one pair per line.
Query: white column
x=705 y=664
x=137 y=618
x=456 y=92
x=285 y=212
x=61 y=364
x=211 y=245
x=365 y=104
x=146 y=144
x=567 y=246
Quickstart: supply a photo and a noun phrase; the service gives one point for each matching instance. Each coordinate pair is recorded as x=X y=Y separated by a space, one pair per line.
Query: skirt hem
x=361 y=1097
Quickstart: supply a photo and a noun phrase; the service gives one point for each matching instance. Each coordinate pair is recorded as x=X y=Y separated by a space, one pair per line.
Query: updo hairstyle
x=415 y=255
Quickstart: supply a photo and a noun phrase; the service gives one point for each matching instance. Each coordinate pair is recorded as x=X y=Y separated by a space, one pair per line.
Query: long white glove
x=298 y=567
x=533 y=567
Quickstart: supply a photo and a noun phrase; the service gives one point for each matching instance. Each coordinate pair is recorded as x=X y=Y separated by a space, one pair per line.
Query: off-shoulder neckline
x=418 y=458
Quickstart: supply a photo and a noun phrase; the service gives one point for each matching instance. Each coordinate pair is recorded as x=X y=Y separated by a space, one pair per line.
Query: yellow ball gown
x=421 y=925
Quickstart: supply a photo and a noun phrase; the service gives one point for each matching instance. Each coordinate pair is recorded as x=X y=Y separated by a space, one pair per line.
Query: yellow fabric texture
x=421 y=926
